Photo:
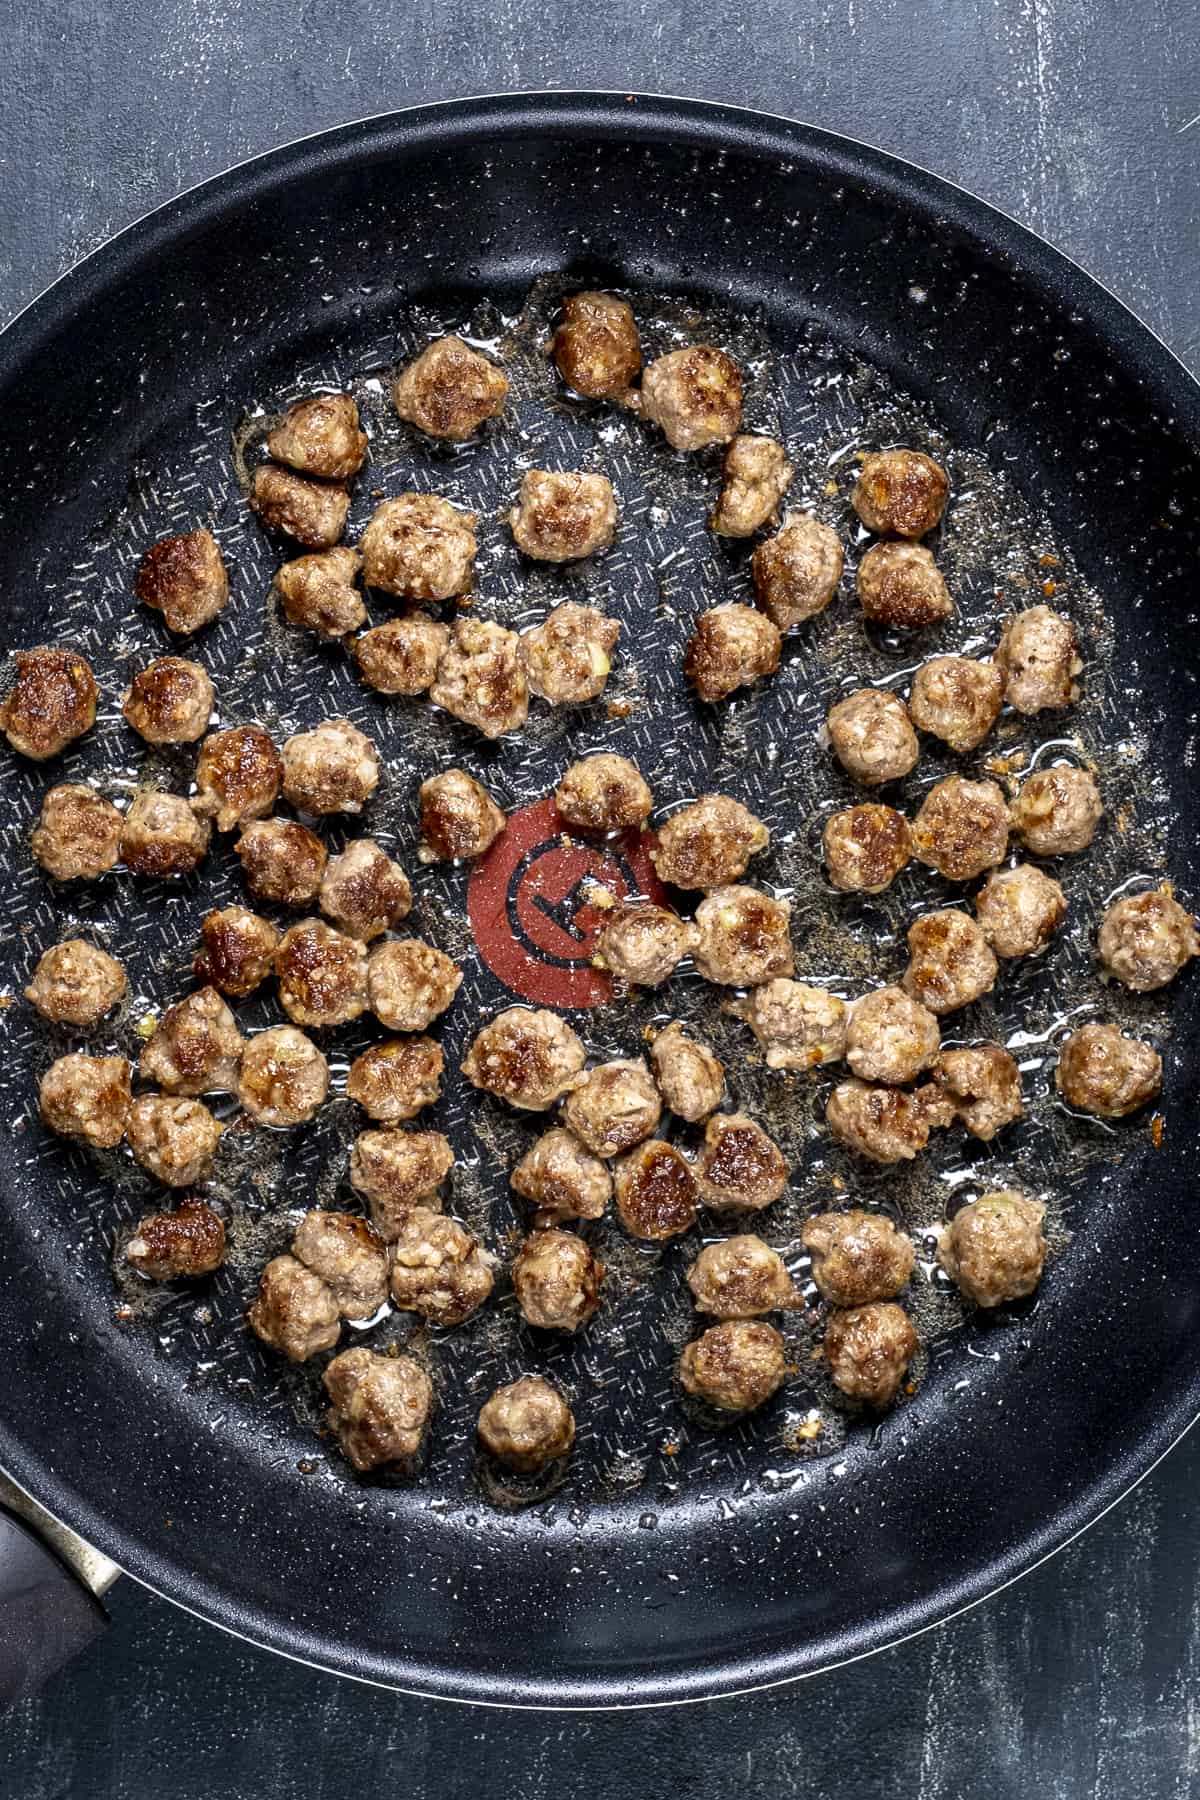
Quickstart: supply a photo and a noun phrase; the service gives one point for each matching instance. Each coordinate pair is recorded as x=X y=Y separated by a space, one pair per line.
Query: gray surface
x=1075 y=116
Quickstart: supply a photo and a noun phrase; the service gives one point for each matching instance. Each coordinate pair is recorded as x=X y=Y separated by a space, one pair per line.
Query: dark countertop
x=1080 y=117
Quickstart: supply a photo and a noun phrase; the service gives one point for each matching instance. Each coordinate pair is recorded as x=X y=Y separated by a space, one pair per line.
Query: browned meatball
x=283 y=862
x=690 y=1077
x=900 y=585
x=401 y=656
x=449 y=390
x=961 y=828
x=694 y=396
x=419 y=547
x=238 y=776
x=526 y=1425
x=993 y=1249
x=1146 y=939
x=334 y=768
x=195 y=1048
x=796 y=572
x=189 y=1240
x=950 y=962
x=459 y=818
x=318 y=592
x=161 y=836
x=857 y=1257
x=709 y=843
x=185 y=579
x=78 y=833
x=312 y=512
x=872 y=736
x=865 y=847
x=741 y=1278
x=51 y=702
x=596 y=346
x=529 y=1057
x=736 y=1366
x=562 y=517
x=868 y=1350
x=567 y=657
x=295 y=1313
x=76 y=983
x=410 y=983
x=900 y=493
x=170 y=701
x=656 y=1192
x=1057 y=810
x=320 y=436
x=438 y=1269
x=744 y=937
x=614 y=1107
x=642 y=945
x=983 y=1084
x=1101 y=1072
x=481 y=678
x=603 y=793
x=1038 y=655
x=380 y=1407
x=798 y=1027
x=398 y=1172
x=175 y=1140
x=322 y=975
x=363 y=891
x=562 y=1179
x=739 y=1168
x=284 y=1077
x=348 y=1256
x=730 y=647
x=890 y=1037
x=757 y=474
x=557 y=1280
x=1019 y=910
x=237 y=951
x=885 y=1124
x=397 y=1079
x=86 y=1098
x=957 y=700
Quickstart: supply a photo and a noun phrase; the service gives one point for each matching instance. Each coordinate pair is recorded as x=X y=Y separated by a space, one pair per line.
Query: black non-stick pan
x=871 y=303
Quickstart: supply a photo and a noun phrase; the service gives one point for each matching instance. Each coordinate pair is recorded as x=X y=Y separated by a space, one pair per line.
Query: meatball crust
x=294 y=1312
x=690 y=1076
x=76 y=983
x=603 y=793
x=174 y=1140
x=614 y=1107
x=237 y=951
x=170 y=701
x=348 y=1256
x=993 y=1249
x=86 y=1098
x=983 y=1085
x=731 y=647
x=891 y=1037
x=188 y=1240
x=736 y=1366
x=312 y=512
x=51 y=702
x=238 y=776
x=332 y=769
x=866 y=847
x=161 y=836
x=399 y=1172
x=744 y=937
x=885 y=1124
x=401 y=656
x=642 y=945
x=556 y=1279
x=562 y=1179
x=708 y=844
x=449 y=390
x=481 y=678
x=872 y=736
x=410 y=983
x=459 y=818
x=796 y=572
x=284 y=1078
x=961 y=828
x=320 y=436
x=899 y=585
x=950 y=962
x=1038 y=655
x=318 y=593
x=957 y=700
x=1101 y=1072
x=900 y=493
x=739 y=1168
x=560 y=517
x=185 y=579
x=195 y=1048
x=757 y=474
x=380 y=1407
x=694 y=396
x=868 y=1350
x=78 y=833
x=439 y=1269
x=567 y=657
x=596 y=346
x=419 y=547
x=526 y=1425
x=797 y=1026
x=283 y=862
x=529 y=1057
x=1019 y=910
x=741 y=1278
x=322 y=975
x=1146 y=939
x=857 y=1257
x=397 y=1079
x=363 y=891
x=656 y=1192
x=1057 y=810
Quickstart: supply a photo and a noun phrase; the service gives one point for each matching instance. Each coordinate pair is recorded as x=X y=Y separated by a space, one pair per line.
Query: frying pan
x=679 y=1561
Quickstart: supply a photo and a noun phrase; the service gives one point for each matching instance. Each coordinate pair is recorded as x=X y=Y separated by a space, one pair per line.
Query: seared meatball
x=170 y=701
x=694 y=396
x=872 y=736
x=284 y=1077
x=364 y=891
x=438 y=1269
x=900 y=585
x=690 y=1077
x=983 y=1084
x=188 y=1240
x=603 y=793
x=312 y=512
x=318 y=592
x=744 y=937
x=730 y=647
x=740 y=1278
x=885 y=1124
x=320 y=436
x=614 y=1107
x=51 y=702
x=76 y=983
x=481 y=678
x=900 y=493
x=562 y=1179
x=798 y=1027
x=857 y=1257
x=238 y=776
x=401 y=656
x=868 y=1350
x=950 y=962
x=526 y=1425
x=295 y=1312
x=1146 y=939
x=78 y=833
x=86 y=1098
x=173 y=1139
x=1038 y=655
x=796 y=572
x=185 y=579
x=736 y=1366
x=195 y=1048
x=596 y=346
x=1019 y=910
x=525 y=1056
x=890 y=1037
x=557 y=1280
x=334 y=768
x=1057 y=810
x=961 y=828
x=419 y=547
x=865 y=847
x=459 y=818
x=561 y=517
x=398 y=1172
x=642 y=945
x=397 y=1079
x=322 y=975
x=380 y=1407
x=161 y=836
x=237 y=951
x=1101 y=1072
x=739 y=1167
x=566 y=657
x=993 y=1249
x=956 y=699
x=656 y=1192
x=410 y=983
x=283 y=862
x=449 y=390
x=757 y=474
x=708 y=844
x=348 y=1256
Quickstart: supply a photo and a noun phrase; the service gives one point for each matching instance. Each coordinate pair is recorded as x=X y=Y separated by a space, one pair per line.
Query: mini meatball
x=567 y=657
x=797 y=1026
x=380 y=1407
x=526 y=1425
x=708 y=844
x=185 y=579
x=983 y=1084
x=348 y=1256
x=694 y=396
x=993 y=1249
x=900 y=585
x=900 y=493
x=170 y=701
x=459 y=818
x=1100 y=1071
x=320 y=436
x=187 y=1241
x=173 y=1139
x=736 y=1366
x=481 y=678
x=1019 y=910
x=312 y=512
x=562 y=517
x=161 y=836
x=332 y=769
x=562 y=1179
x=76 y=983
x=868 y=1350
x=401 y=656
x=410 y=983
x=284 y=1078
x=238 y=776
x=195 y=1048
x=744 y=937
x=557 y=1280
x=741 y=1278
x=614 y=1107
x=419 y=547
x=739 y=1167
x=857 y=1257
x=283 y=862
x=363 y=891
x=872 y=736
x=950 y=963
x=596 y=346
x=603 y=793
x=1057 y=810
x=529 y=1057
x=439 y=1269
x=957 y=700
x=1038 y=655
x=237 y=951
x=656 y=1192
x=885 y=1124
x=322 y=975
x=961 y=828
x=1146 y=939
x=890 y=1037
x=86 y=1098
x=295 y=1312
x=642 y=945
x=865 y=847
x=51 y=702
x=78 y=833
x=397 y=1079
x=450 y=390
x=690 y=1077
x=757 y=474
x=730 y=647
x=398 y=1172
x=796 y=572
x=318 y=592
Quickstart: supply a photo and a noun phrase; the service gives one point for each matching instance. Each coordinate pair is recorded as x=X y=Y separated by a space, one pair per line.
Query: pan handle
x=49 y=1596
